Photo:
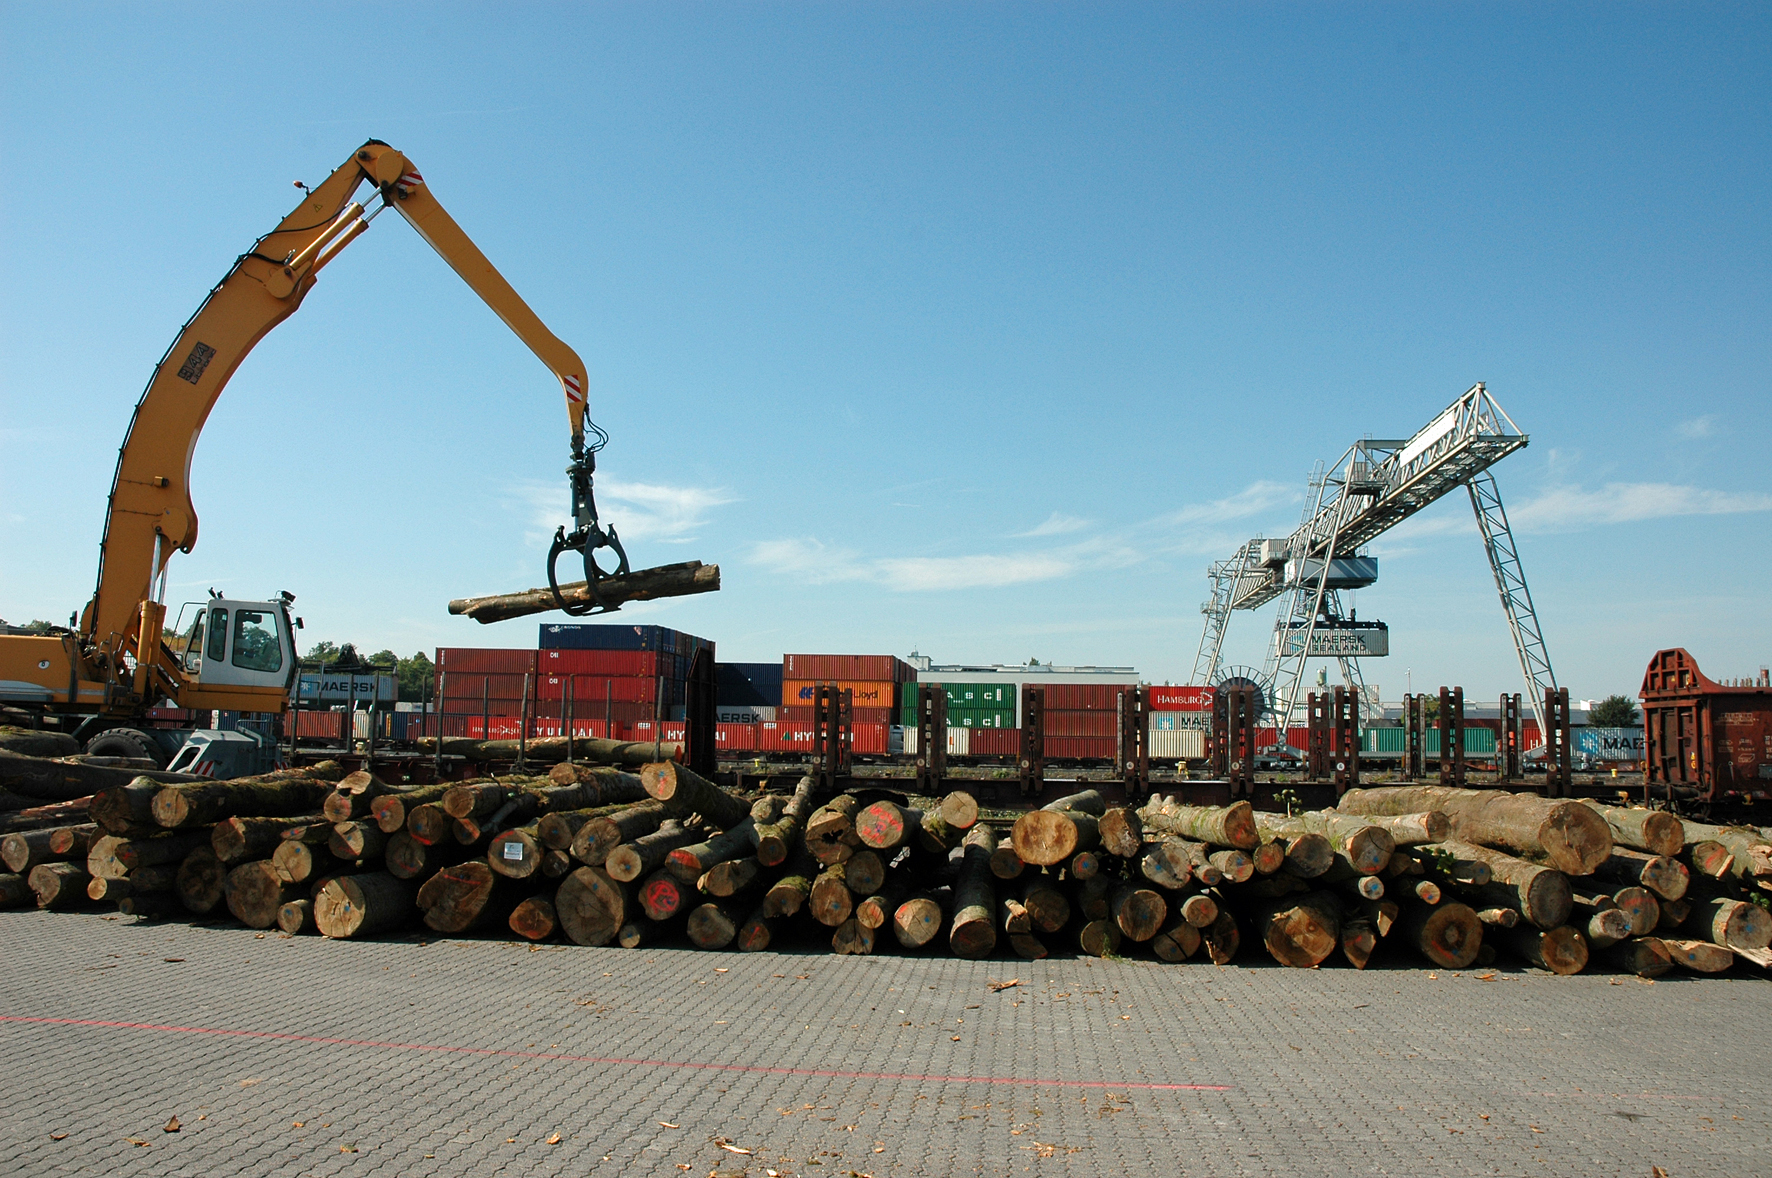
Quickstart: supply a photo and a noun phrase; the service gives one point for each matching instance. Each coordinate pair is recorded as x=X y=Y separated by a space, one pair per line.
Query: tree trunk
x=1178 y=941
x=1710 y=858
x=1698 y=956
x=74 y=841
x=295 y=862
x=1222 y=826
x=1734 y=923
x=1654 y=831
x=363 y=905
x=959 y=810
x=516 y=854
x=1308 y=855
x=474 y=799
x=1099 y=938
x=1408 y=830
x=1499 y=917
x=1094 y=898
x=692 y=862
x=1303 y=932
x=407 y=858
x=1446 y=934
x=973 y=933
x=62 y=781
x=830 y=832
x=646 y=854
x=1235 y=866
x=789 y=894
x=1199 y=910
x=464 y=897
x=297 y=917
x=885 y=825
x=662 y=895
x=1122 y=832
x=669 y=580
x=201 y=877
x=605 y=832
x=1221 y=939
x=1667 y=878
x=59 y=885
x=831 y=902
x=1046 y=837
x=23 y=851
x=712 y=926
x=354 y=841
x=1012 y=916
x=391 y=810
x=546 y=750
x=1604 y=927
x=1647 y=957
x=114 y=858
x=759 y=931
x=1362 y=845
x=724 y=880
x=1561 y=950
x=235 y=840
x=1641 y=906
x=1540 y=894
x=777 y=837
x=683 y=792
x=354 y=797
x=1005 y=863
x=557 y=828
x=1139 y=912
x=1445 y=860
x=1084 y=865
x=1749 y=849
x=576 y=787
x=255 y=893
x=1048 y=909
x=864 y=872
x=272 y=795
x=1268 y=856
x=919 y=920
x=533 y=919
x=1566 y=835
x=591 y=907
x=1168 y=863
x=852 y=937
x=875 y=910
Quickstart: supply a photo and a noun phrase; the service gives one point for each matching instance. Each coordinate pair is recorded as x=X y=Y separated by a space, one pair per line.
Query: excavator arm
x=150 y=512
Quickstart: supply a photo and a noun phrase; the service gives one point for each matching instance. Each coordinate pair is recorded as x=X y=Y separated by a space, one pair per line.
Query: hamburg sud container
x=1180 y=699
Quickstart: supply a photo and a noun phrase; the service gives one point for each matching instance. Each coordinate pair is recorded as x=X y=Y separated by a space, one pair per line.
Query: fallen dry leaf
x=347 y=1149
x=510 y=1141
x=58 y=1136
x=956 y=1038
x=554 y=1140
x=728 y=1146
x=172 y=959
x=681 y=1166
x=1485 y=977
x=999 y=987
x=135 y=1141
x=721 y=969
x=670 y=1124
x=172 y=1126
x=298 y=1124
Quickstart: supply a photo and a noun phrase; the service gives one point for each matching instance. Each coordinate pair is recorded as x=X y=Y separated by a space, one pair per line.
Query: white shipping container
x=1167 y=721
x=959 y=741
x=1178 y=744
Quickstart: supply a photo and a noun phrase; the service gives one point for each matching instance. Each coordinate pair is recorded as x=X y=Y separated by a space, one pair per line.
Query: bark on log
x=297 y=917
x=1048 y=909
x=1408 y=830
x=959 y=810
x=789 y=894
x=728 y=879
x=1667 y=878
x=591 y=907
x=1139 y=912
x=630 y=861
x=548 y=750
x=1005 y=863
x=1122 y=832
x=1654 y=831
x=1178 y=941
x=362 y=905
x=1698 y=956
x=21 y=814
x=918 y=921
x=1561 y=950
x=37 y=742
x=690 y=863
x=712 y=926
x=114 y=858
x=1733 y=923
x=1748 y=848
x=235 y=840
x=1048 y=836
x=1446 y=861
x=180 y=807
x=64 y=780
x=391 y=810
x=1566 y=835
x=201 y=877
x=255 y=893
x=473 y=799
x=22 y=851
x=352 y=841
x=1543 y=896
x=777 y=838
x=669 y=580
x=557 y=829
x=1366 y=847
x=682 y=792
x=1226 y=826
x=1308 y=855
x=1301 y=933
x=1094 y=897
x=1099 y=938
x=1647 y=957
x=59 y=885
x=602 y=834
x=464 y=897
x=831 y=902
x=885 y=825
x=1222 y=939
x=1447 y=934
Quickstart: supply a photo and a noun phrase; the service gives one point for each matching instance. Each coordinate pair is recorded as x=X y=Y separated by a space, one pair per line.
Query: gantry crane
x=1375 y=485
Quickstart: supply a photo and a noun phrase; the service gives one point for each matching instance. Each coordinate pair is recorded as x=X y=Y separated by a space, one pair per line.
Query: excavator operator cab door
x=236 y=643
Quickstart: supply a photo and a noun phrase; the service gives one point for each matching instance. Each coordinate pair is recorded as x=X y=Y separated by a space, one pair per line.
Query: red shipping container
x=858 y=667
x=494 y=705
x=1180 y=699
x=594 y=689
x=870 y=739
x=581 y=729
x=781 y=737
x=674 y=730
x=796 y=693
x=501 y=727
x=475 y=660
x=857 y=715
x=1080 y=748
x=599 y=662
x=1074 y=697
x=994 y=742
x=497 y=686
x=1081 y=723
x=735 y=738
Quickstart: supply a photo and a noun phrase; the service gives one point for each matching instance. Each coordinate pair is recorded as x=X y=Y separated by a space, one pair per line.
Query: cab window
x=218 y=634
x=255 y=641
x=193 y=648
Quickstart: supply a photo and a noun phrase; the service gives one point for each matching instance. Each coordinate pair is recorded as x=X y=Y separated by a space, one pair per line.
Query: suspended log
x=1178 y=940
x=1365 y=846
x=728 y=879
x=662 y=895
x=1540 y=894
x=255 y=894
x=1052 y=834
x=777 y=837
x=1227 y=826
x=885 y=825
x=464 y=897
x=297 y=917
x=1447 y=934
x=1647 y=957
x=1221 y=939
x=1005 y=863
x=59 y=885
x=201 y=877
x=1301 y=932
x=363 y=905
x=1048 y=909
x=1698 y=956
x=852 y=938
x=831 y=902
x=713 y=926
x=1561 y=950
x=603 y=833
x=918 y=921
x=669 y=580
x=1099 y=938
x=1654 y=831
x=789 y=894
x=113 y=858
x=1734 y=923
x=683 y=792
x=690 y=863
x=959 y=810
x=1138 y=912
x=235 y=840
x=1122 y=832
x=646 y=854
x=591 y=907
x=1566 y=835
x=202 y=803
x=391 y=810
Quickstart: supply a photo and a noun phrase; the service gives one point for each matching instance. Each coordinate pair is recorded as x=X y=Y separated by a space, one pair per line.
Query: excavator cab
x=236 y=643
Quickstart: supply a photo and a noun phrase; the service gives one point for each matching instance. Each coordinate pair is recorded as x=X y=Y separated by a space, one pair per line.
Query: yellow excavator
x=99 y=676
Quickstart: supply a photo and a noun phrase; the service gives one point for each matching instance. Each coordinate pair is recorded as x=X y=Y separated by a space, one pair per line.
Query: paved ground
x=303 y=1056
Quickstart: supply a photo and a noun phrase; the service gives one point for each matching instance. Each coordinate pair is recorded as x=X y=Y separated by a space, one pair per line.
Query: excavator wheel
x=126 y=742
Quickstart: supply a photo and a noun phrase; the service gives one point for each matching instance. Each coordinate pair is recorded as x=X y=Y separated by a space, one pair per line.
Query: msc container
x=1180 y=699
x=865 y=667
x=1178 y=744
x=980 y=718
x=476 y=660
x=868 y=693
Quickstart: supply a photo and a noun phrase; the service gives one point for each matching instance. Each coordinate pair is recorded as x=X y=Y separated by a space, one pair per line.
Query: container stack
x=877 y=684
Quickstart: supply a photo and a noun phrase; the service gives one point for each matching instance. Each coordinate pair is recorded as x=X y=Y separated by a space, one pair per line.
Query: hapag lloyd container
x=865 y=693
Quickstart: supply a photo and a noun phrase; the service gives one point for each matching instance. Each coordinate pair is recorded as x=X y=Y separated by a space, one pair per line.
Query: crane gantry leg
x=1516 y=597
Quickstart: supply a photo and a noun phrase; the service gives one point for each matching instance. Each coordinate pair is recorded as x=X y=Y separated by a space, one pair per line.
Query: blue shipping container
x=1609 y=744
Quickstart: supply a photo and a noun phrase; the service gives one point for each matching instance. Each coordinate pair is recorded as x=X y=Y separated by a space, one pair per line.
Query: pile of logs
x=634 y=853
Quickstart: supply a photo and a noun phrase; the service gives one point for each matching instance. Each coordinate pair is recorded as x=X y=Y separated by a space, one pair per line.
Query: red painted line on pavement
x=830 y=1073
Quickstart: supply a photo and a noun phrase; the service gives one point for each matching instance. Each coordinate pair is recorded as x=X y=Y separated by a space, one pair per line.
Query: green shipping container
x=1478 y=742
x=964 y=697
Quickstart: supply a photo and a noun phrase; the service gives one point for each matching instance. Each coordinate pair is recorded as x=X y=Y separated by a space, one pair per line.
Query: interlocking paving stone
x=402 y=1057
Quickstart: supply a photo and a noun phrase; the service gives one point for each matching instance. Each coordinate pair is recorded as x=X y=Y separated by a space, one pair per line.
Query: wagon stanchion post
x=1134 y=743
x=1414 y=722
x=1032 y=763
x=1510 y=736
x=437 y=752
x=1345 y=719
x=566 y=715
x=1452 y=736
x=932 y=737
x=1316 y=760
x=1557 y=765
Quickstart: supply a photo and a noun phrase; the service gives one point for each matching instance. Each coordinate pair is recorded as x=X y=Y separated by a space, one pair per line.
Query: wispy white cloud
x=1698 y=427
x=1057 y=524
x=657 y=512
x=1258 y=498
x=1569 y=508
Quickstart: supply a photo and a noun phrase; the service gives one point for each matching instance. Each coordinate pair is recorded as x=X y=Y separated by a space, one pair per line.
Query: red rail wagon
x=1704 y=735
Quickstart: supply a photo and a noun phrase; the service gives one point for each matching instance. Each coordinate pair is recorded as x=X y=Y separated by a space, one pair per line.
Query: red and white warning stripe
x=575 y=388
x=411 y=179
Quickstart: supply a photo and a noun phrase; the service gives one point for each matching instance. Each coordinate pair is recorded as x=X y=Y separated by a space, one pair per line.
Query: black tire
x=126 y=742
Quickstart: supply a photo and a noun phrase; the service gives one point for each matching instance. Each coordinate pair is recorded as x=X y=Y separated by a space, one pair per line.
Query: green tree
x=1615 y=711
x=418 y=678
x=321 y=652
x=39 y=626
x=384 y=658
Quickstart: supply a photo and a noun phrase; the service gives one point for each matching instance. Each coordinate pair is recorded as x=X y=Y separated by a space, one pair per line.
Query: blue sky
x=979 y=330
